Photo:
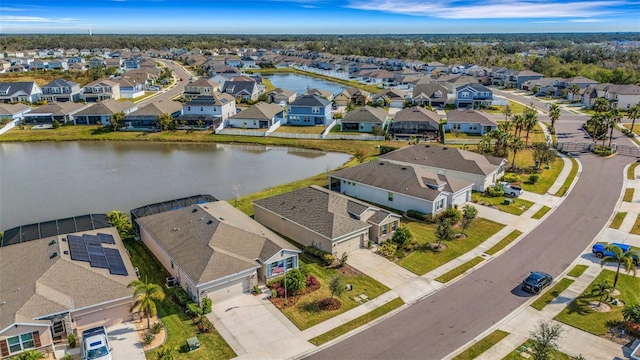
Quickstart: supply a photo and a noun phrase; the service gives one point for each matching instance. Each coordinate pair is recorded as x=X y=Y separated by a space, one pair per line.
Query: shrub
x=400 y=253
x=495 y=191
x=181 y=296
x=274 y=283
x=386 y=149
x=194 y=309
x=304 y=268
x=157 y=327
x=206 y=305
x=452 y=214
x=295 y=281
x=388 y=250
x=343 y=259
x=73 y=340
x=402 y=236
x=55 y=124
x=417 y=215
x=311 y=281
x=533 y=178
x=256 y=289
x=148 y=337
x=204 y=325
x=326 y=258
x=511 y=177
x=633 y=329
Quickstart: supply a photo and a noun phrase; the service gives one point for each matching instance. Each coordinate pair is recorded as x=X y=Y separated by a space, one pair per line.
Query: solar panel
x=97 y=257
x=116 y=264
x=78 y=248
x=91 y=239
x=106 y=239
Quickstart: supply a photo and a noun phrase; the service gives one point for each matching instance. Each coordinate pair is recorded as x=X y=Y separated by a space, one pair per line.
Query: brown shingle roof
x=107 y=107
x=159 y=108
x=469 y=116
x=259 y=111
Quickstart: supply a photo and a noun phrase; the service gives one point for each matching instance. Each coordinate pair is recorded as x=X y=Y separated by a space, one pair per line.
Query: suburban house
x=61 y=90
x=102 y=112
x=393 y=98
x=52 y=287
x=514 y=78
x=147 y=116
x=435 y=95
x=415 y=121
x=478 y=169
x=546 y=86
x=259 y=116
x=12 y=112
x=401 y=186
x=96 y=62
x=214 y=250
x=242 y=90
x=216 y=104
x=309 y=110
x=475 y=96
x=322 y=93
x=622 y=96
x=201 y=86
x=101 y=90
x=352 y=95
x=130 y=88
x=280 y=95
x=364 y=119
x=330 y=221
x=580 y=82
x=592 y=92
x=61 y=112
x=470 y=121
x=27 y=91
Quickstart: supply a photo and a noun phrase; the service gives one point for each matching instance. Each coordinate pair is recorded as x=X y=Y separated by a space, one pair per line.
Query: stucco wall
x=107 y=315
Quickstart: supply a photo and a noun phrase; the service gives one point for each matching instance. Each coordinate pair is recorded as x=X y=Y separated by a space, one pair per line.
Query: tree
x=115 y=120
x=634 y=114
x=515 y=146
x=507 y=112
x=146 y=296
x=402 y=236
x=545 y=338
x=601 y=105
x=55 y=124
x=631 y=313
x=543 y=154
x=484 y=144
x=336 y=286
x=444 y=231
x=166 y=122
x=554 y=114
x=574 y=89
x=167 y=352
x=360 y=155
x=621 y=258
x=30 y=355
x=595 y=122
x=518 y=122
x=530 y=121
x=536 y=89
x=469 y=213
x=615 y=116
x=294 y=281
x=120 y=221
x=601 y=289
x=343 y=259
x=608 y=122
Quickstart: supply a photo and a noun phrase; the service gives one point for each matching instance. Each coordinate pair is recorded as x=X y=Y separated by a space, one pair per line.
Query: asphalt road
x=173 y=92
x=441 y=323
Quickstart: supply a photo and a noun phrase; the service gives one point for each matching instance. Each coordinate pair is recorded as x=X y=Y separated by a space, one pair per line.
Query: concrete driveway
x=256 y=329
x=124 y=341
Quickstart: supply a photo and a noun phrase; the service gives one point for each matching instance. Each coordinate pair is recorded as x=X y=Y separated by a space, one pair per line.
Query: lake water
x=46 y=181
x=300 y=83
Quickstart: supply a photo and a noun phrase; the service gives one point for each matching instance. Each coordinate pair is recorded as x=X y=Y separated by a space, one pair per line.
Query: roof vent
x=444 y=148
x=427 y=146
x=404 y=168
x=174 y=229
x=53 y=255
x=64 y=239
x=209 y=222
x=65 y=252
x=194 y=210
x=381 y=163
x=52 y=242
x=221 y=218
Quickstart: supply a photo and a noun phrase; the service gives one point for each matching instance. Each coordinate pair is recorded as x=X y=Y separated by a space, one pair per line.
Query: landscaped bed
x=547 y=177
x=424 y=259
x=518 y=206
x=631 y=171
x=553 y=293
x=481 y=346
x=504 y=242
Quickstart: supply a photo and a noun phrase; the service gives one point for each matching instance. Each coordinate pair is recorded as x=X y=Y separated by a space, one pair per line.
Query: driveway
x=124 y=341
x=255 y=329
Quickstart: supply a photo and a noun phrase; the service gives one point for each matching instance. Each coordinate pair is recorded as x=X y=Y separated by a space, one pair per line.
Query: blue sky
x=317 y=16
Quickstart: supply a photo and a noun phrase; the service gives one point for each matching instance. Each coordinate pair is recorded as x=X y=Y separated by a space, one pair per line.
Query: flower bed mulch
x=279 y=301
x=329 y=304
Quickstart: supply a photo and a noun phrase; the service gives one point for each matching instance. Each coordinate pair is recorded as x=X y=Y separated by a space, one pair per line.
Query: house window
x=315 y=110
x=20 y=343
x=289 y=263
x=188 y=108
x=214 y=109
x=437 y=94
x=456 y=127
x=464 y=94
x=201 y=108
x=473 y=126
x=390 y=196
x=394 y=226
x=384 y=229
x=440 y=204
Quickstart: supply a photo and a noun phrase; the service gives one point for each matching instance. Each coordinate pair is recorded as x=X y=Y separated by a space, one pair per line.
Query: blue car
x=536 y=281
x=599 y=250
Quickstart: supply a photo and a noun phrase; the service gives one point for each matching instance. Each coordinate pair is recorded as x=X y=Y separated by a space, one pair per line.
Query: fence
x=8 y=127
x=241 y=132
x=294 y=135
x=354 y=137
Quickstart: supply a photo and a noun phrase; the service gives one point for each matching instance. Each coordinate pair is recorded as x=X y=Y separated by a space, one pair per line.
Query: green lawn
x=636 y=227
x=448 y=276
x=481 y=346
x=422 y=261
x=357 y=322
x=301 y=129
x=578 y=314
x=569 y=180
x=516 y=109
x=577 y=270
x=631 y=171
x=553 y=293
x=504 y=242
x=617 y=220
x=179 y=326
x=306 y=313
x=628 y=194
x=542 y=212
x=555 y=355
x=546 y=180
x=518 y=206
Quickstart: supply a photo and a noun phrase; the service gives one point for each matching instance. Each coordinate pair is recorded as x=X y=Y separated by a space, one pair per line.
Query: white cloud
x=490 y=9
x=586 y=20
x=34 y=19
x=10 y=9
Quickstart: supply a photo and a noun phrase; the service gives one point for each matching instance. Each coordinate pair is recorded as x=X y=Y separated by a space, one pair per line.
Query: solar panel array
x=89 y=248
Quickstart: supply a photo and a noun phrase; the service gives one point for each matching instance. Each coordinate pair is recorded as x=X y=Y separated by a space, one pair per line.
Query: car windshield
x=97 y=353
x=534 y=278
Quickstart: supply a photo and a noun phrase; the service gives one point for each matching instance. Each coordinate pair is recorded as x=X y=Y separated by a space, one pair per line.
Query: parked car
x=95 y=345
x=536 y=281
x=511 y=190
x=599 y=250
x=154 y=88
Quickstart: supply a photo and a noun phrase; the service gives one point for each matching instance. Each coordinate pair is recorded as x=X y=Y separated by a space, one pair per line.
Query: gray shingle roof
x=310 y=100
x=61 y=83
x=159 y=108
x=216 y=99
x=429 y=90
x=417 y=113
x=13 y=87
x=234 y=87
x=259 y=111
x=107 y=107
x=445 y=158
x=366 y=114
x=63 y=108
x=469 y=116
x=10 y=109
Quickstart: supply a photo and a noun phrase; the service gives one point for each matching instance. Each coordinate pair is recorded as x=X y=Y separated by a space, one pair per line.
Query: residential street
x=180 y=73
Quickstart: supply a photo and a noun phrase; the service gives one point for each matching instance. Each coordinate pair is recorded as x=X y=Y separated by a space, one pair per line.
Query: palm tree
x=518 y=122
x=608 y=122
x=554 y=114
x=574 y=90
x=634 y=114
x=595 y=122
x=120 y=221
x=615 y=116
x=622 y=258
x=30 y=355
x=115 y=120
x=507 y=112
x=147 y=294
x=530 y=121
x=600 y=105
x=515 y=146
x=165 y=121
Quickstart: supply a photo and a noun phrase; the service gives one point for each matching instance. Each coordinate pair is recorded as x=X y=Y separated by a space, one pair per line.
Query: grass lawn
x=42 y=77
x=569 y=180
x=446 y=277
x=553 y=293
x=301 y=129
x=628 y=194
x=518 y=206
x=460 y=135
x=546 y=180
x=578 y=314
x=516 y=109
x=306 y=313
x=357 y=322
x=577 y=270
x=636 y=227
x=422 y=261
x=504 y=242
x=481 y=346
x=179 y=326
x=617 y=220
x=542 y=212
x=632 y=170
x=555 y=354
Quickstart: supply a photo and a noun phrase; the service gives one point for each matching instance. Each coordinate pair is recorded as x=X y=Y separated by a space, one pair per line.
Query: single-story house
x=52 y=287
x=13 y=112
x=415 y=121
x=401 y=187
x=280 y=95
x=328 y=220
x=478 y=169
x=102 y=112
x=430 y=94
x=147 y=116
x=394 y=98
x=214 y=250
x=470 y=121
x=259 y=116
x=326 y=94
x=62 y=112
x=364 y=119
x=352 y=95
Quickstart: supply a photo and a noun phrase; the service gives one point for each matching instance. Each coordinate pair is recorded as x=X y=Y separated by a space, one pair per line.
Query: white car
x=95 y=345
x=511 y=190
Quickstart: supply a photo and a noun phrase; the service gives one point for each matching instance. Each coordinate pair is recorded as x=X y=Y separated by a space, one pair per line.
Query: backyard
x=317 y=130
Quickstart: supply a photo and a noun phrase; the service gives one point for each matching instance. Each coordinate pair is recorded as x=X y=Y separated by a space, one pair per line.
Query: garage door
x=347 y=246
x=230 y=290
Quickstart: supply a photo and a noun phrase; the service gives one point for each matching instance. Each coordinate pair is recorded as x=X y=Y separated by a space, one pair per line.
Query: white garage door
x=347 y=246
x=230 y=290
